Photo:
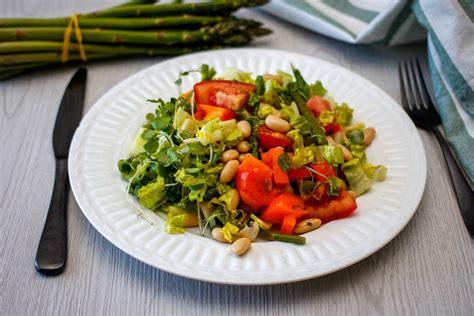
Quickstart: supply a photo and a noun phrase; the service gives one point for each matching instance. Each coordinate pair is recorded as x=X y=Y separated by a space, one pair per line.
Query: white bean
x=242 y=157
x=346 y=153
x=243 y=147
x=277 y=78
x=218 y=235
x=330 y=141
x=234 y=202
x=230 y=154
x=229 y=171
x=241 y=246
x=277 y=124
x=369 y=135
x=307 y=225
x=245 y=128
x=251 y=232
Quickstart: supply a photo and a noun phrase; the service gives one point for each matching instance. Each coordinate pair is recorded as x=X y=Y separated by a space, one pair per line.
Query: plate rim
x=215 y=279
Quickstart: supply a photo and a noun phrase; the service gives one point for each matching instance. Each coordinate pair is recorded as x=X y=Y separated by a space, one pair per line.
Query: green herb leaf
x=151 y=146
x=259 y=86
x=317 y=89
x=356 y=136
x=333 y=189
x=207 y=73
x=284 y=162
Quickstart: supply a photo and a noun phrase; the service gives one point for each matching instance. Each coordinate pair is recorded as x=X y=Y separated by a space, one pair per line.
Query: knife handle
x=464 y=194
x=52 y=249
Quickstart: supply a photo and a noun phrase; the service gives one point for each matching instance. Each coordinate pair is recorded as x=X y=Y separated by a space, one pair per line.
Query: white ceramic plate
x=107 y=131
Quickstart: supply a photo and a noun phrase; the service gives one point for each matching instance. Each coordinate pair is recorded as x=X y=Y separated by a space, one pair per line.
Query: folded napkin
x=450 y=29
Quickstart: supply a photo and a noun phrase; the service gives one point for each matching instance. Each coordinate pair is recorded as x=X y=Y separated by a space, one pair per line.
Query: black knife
x=52 y=249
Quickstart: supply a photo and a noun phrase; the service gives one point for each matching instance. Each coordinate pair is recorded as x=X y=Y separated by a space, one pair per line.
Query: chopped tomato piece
x=254 y=182
x=323 y=168
x=288 y=225
x=211 y=112
x=283 y=209
x=270 y=158
x=336 y=208
x=336 y=128
x=223 y=93
x=270 y=139
x=324 y=171
x=300 y=173
x=317 y=105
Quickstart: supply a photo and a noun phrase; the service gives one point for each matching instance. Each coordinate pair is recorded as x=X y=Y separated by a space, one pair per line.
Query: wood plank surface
x=426 y=270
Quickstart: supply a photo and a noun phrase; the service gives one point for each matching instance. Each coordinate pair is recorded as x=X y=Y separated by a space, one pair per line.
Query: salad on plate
x=243 y=156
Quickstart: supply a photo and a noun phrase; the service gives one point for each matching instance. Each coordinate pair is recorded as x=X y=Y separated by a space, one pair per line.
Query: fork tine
x=417 y=101
x=404 y=84
x=422 y=86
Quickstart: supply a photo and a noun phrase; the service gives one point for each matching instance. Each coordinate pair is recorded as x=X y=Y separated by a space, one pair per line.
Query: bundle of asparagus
x=136 y=28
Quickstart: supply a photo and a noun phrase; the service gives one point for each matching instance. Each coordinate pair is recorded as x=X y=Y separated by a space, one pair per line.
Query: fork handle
x=464 y=194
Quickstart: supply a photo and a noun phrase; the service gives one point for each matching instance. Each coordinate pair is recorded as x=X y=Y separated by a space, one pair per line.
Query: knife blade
x=52 y=248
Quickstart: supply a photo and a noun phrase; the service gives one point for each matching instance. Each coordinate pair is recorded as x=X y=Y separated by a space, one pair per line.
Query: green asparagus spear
x=226 y=33
x=116 y=23
x=294 y=239
x=207 y=8
x=101 y=52
x=316 y=129
x=49 y=46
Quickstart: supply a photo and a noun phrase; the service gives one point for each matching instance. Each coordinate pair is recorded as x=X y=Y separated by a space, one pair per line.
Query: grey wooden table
x=427 y=269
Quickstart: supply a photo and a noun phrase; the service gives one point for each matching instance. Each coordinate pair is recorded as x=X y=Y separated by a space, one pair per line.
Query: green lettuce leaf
x=152 y=194
x=317 y=89
x=229 y=230
x=343 y=114
x=301 y=155
x=301 y=123
x=287 y=78
x=174 y=224
x=333 y=155
x=361 y=175
x=326 y=117
x=265 y=110
x=376 y=173
x=235 y=74
x=263 y=225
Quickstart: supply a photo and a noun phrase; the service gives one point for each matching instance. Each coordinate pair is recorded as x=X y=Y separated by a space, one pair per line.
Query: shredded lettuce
x=376 y=173
x=333 y=155
x=263 y=225
x=174 y=224
x=229 y=230
x=234 y=138
x=361 y=175
x=151 y=194
x=138 y=142
x=271 y=92
x=235 y=74
x=343 y=114
x=301 y=123
x=215 y=131
x=265 y=110
x=287 y=78
x=326 y=117
x=288 y=111
x=302 y=155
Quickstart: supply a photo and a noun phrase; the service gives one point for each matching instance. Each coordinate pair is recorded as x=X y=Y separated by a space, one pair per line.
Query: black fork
x=419 y=106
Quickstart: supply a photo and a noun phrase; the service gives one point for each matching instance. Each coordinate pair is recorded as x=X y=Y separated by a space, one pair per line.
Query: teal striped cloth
x=449 y=28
